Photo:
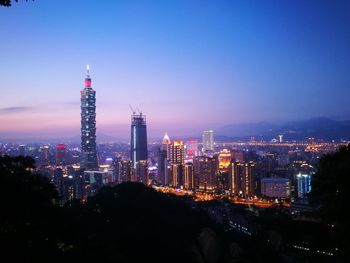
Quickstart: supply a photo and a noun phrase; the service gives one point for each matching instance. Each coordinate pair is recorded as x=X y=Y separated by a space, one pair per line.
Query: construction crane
x=132 y=110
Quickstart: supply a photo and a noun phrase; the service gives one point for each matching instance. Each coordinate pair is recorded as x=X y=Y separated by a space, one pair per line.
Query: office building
x=138 y=145
x=163 y=161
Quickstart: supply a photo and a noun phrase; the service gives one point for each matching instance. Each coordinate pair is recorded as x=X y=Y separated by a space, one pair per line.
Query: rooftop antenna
x=88 y=69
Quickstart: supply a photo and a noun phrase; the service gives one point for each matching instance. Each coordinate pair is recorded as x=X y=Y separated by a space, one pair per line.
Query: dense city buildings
x=88 y=125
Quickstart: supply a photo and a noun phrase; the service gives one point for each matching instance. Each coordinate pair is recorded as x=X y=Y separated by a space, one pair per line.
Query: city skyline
x=196 y=59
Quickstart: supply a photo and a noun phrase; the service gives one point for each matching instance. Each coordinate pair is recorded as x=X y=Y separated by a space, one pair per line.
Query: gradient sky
x=188 y=65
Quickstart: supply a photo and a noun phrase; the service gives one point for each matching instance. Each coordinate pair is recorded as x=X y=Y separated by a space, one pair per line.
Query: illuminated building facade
x=166 y=145
x=176 y=175
x=241 y=178
x=208 y=140
x=224 y=159
x=138 y=150
x=188 y=180
x=88 y=125
x=177 y=152
x=303 y=184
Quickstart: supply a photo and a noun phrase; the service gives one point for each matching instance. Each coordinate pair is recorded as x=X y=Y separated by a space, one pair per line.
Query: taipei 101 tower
x=88 y=125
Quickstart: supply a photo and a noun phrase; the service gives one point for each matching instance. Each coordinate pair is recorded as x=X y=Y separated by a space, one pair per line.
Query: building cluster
x=270 y=170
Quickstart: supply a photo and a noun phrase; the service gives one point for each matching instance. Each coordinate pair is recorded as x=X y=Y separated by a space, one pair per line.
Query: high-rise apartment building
x=177 y=152
x=205 y=173
x=176 y=175
x=138 y=150
x=88 y=125
x=208 y=140
x=241 y=178
x=188 y=180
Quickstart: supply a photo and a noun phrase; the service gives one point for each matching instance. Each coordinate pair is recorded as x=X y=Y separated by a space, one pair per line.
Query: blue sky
x=188 y=65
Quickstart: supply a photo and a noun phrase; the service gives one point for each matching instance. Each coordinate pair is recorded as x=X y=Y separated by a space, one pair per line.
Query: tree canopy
x=8 y=3
x=330 y=191
x=125 y=223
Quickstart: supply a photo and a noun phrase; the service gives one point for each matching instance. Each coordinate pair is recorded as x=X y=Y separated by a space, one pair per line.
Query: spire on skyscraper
x=87 y=79
x=166 y=139
x=88 y=70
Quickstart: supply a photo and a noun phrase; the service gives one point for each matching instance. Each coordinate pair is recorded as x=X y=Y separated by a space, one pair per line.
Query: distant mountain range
x=320 y=128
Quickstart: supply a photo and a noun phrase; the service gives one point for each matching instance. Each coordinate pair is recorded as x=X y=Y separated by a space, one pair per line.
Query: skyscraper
x=208 y=140
x=241 y=178
x=138 y=144
x=188 y=182
x=88 y=125
x=163 y=161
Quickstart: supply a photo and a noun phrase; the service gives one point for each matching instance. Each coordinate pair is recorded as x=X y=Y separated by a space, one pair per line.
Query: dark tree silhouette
x=330 y=192
x=28 y=212
x=126 y=223
x=133 y=223
x=8 y=3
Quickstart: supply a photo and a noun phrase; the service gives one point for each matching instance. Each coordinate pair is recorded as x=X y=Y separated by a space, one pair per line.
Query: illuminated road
x=203 y=197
